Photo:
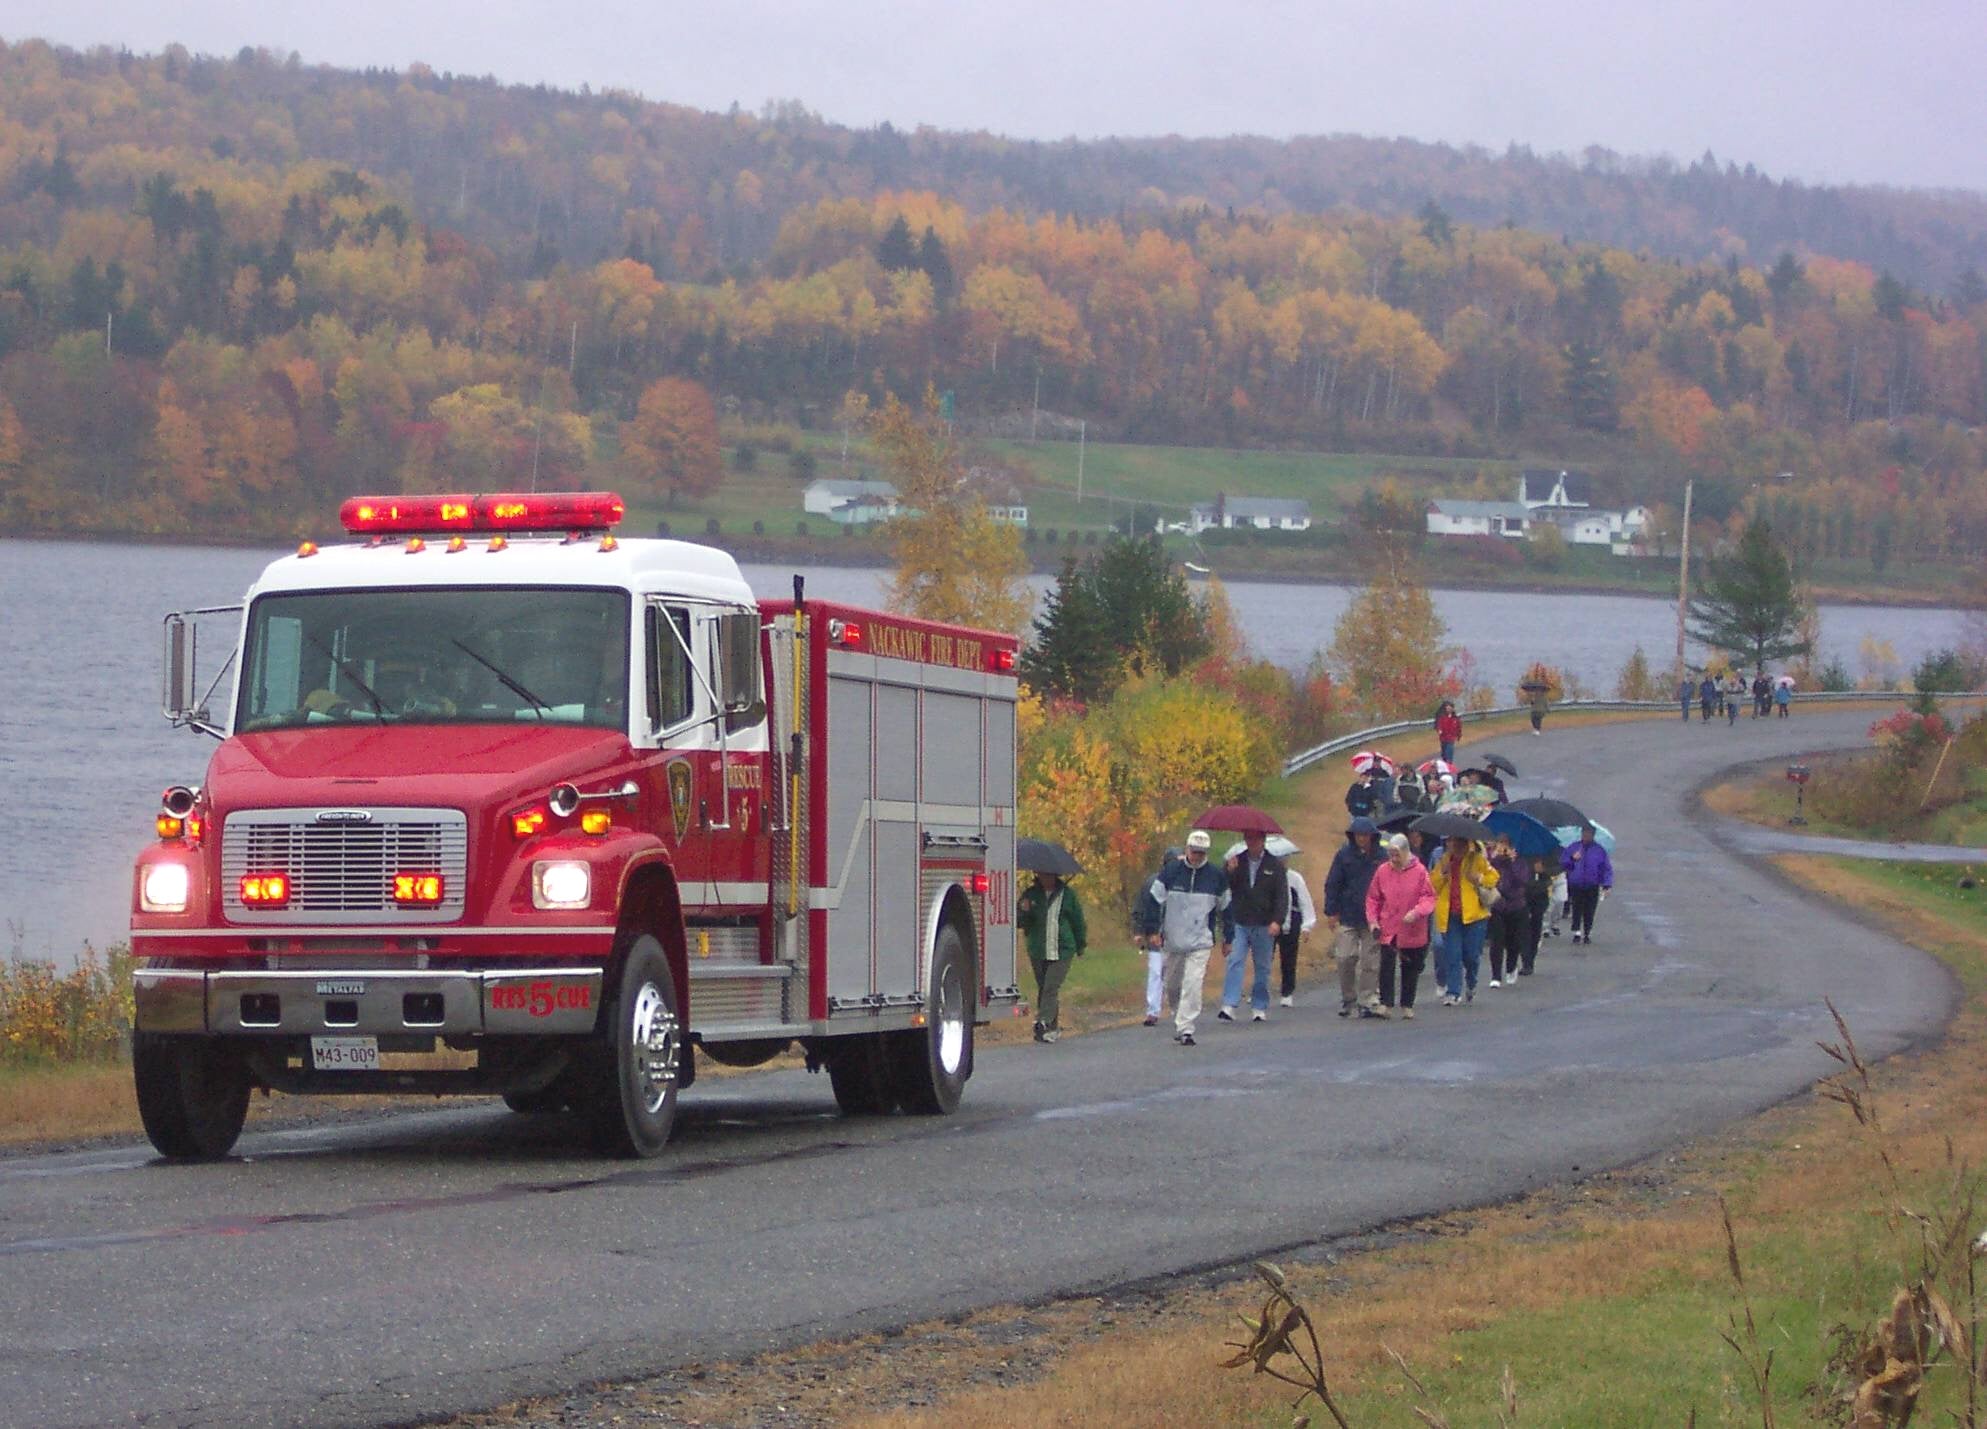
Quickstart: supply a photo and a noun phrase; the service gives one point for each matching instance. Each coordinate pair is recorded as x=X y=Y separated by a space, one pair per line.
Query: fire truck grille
x=341 y=863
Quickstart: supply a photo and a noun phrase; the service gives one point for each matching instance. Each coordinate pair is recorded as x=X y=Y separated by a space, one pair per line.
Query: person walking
x=1686 y=692
x=1050 y=917
x=1735 y=692
x=1448 y=730
x=1589 y=875
x=1508 y=916
x=1365 y=799
x=1190 y=895
x=1299 y=919
x=1707 y=696
x=1146 y=919
x=1542 y=874
x=1540 y=702
x=1464 y=884
x=1258 y=902
x=1399 y=902
x=1783 y=698
x=1345 y=911
x=1762 y=694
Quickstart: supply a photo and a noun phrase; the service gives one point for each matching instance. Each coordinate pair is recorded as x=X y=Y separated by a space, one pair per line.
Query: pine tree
x=1750 y=606
x=896 y=253
x=1146 y=605
x=937 y=266
x=1071 y=653
x=1590 y=389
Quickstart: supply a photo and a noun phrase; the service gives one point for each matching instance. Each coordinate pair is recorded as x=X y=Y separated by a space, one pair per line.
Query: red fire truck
x=505 y=803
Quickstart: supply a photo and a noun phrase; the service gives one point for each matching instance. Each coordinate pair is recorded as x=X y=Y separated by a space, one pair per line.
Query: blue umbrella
x=1570 y=834
x=1531 y=838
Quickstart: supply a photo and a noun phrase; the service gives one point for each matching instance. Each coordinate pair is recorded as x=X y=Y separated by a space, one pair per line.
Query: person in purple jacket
x=1589 y=875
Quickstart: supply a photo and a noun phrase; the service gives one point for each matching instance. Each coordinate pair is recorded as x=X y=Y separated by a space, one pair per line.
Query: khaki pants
x=1185 y=972
x=1358 y=965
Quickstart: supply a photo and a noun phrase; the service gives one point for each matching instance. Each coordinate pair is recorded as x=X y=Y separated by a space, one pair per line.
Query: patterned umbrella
x=1372 y=759
x=1436 y=766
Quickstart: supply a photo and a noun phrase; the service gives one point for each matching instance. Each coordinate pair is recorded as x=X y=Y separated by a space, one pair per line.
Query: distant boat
x=1197 y=570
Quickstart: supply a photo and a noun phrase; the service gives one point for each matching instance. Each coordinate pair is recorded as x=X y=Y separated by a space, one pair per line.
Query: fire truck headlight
x=165 y=888
x=561 y=883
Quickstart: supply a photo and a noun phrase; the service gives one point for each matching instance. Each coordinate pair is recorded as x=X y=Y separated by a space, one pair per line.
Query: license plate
x=344 y=1054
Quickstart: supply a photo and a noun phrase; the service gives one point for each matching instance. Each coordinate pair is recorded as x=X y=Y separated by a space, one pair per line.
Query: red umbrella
x=1437 y=766
x=1238 y=819
x=1371 y=759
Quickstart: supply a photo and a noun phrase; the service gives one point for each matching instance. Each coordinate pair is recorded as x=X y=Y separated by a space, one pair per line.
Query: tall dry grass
x=50 y=1016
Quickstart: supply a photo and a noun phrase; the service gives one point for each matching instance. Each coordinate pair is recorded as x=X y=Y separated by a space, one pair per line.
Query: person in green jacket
x=1051 y=921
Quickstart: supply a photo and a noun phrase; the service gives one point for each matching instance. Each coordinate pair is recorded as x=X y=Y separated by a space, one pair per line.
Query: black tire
x=538 y=1103
x=192 y=1094
x=630 y=1074
x=929 y=1065
x=860 y=1073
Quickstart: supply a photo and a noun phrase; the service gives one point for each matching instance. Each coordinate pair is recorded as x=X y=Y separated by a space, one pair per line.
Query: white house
x=1450 y=517
x=1558 y=490
x=824 y=496
x=864 y=510
x=1264 y=513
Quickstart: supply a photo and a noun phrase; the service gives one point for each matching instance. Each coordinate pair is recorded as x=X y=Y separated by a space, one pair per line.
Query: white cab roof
x=648 y=567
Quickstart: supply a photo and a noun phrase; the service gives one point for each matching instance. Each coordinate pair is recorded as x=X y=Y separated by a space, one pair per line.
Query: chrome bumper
x=529 y=1001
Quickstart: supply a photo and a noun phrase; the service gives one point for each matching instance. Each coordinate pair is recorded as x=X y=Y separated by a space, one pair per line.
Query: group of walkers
x=1390 y=901
x=1714 y=696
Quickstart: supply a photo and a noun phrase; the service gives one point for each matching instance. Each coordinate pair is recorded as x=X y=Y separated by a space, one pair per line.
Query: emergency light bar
x=504 y=511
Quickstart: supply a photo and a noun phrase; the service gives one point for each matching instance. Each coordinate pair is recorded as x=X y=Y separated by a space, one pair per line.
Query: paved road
x=1752 y=838
x=447 y=1259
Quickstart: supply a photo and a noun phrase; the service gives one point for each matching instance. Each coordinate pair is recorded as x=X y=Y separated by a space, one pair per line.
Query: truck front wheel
x=631 y=1073
x=192 y=1094
x=929 y=1065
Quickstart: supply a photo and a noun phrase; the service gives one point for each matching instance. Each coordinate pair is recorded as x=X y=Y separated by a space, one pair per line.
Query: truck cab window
x=672 y=695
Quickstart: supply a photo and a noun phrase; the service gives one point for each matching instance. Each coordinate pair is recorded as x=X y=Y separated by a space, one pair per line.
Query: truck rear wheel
x=929 y=1065
x=192 y=1094
x=631 y=1074
x=860 y=1072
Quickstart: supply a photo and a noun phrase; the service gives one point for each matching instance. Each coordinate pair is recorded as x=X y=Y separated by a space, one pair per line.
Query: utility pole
x=1082 y=430
x=1683 y=576
x=106 y=332
x=573 y=352
x=1035 y=417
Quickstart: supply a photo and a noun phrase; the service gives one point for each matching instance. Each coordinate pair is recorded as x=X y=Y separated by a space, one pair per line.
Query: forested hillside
x=232 y=291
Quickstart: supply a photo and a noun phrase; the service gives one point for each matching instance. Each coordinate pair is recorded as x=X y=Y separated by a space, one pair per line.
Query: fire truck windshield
x=450 y=656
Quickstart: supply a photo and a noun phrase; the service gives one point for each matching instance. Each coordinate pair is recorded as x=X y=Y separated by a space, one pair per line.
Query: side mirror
x=180 y=696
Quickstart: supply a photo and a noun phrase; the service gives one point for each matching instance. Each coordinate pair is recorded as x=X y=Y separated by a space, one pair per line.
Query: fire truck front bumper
x=511 y=1002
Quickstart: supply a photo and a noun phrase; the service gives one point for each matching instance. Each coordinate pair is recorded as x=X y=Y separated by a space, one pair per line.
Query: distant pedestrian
x=1410 y=792
x=1147 y=916
x=1540 y=702
x=1365 y=799
x=1190 y=895
x=1050 y=917
x=1464 y=884
x=1258 y=902
x=1345 y=912
x=1707 y=696
x=1542 y=875
x=1762 y=694
x=1399 y=903
x=1735 y=692
x=1686 y=693
x=1301 y=918
x=1423 y=847
x=1589 y=875
x=1448 y=730
x=1783 y=698
x=1506 y=939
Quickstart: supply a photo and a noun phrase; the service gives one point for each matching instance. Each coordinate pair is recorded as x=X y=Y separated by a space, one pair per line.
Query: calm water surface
x=84 y=753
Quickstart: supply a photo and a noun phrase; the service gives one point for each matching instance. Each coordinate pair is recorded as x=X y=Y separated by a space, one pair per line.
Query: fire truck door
x=680 y=726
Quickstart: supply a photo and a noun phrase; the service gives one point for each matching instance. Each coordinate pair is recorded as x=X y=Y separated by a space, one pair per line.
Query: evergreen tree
x=1071 y=654
x=1750 y=606
x=896 y=253
x=1590 y=389
x=1436 y=226
x=937 y=266
x=1147 y=606
x=1785 y=276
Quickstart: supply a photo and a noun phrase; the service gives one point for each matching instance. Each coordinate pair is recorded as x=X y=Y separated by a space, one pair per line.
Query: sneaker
x=1227 y=1014
x=1408 y=1013
x=1151 y=1022
x=1345 y=1009
x=1038 y=1031
x=1377 y=1010
x=1495 y=983
x=1179 y=1036
x=1448 y=1001
x=1286 y=1001
x=1053 y=1034
x=1186 y=1039
x=1259 y=1016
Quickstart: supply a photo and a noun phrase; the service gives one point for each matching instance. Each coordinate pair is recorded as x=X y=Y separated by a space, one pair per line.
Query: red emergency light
x=1000 y=660
x=504 y=511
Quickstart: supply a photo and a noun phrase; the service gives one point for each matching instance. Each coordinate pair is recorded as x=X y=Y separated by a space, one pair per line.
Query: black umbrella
x=1450 y=826
x=1535 y=685
x=1553 y=813
x=1396 y=821
x=1045 y=856
x=1498 y=761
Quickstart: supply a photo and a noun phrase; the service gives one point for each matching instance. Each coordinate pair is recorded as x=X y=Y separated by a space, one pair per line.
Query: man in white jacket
x=1190 y=895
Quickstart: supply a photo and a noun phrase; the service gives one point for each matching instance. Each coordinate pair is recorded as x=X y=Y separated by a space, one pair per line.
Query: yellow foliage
x=1387 y=650
x=80 y=1015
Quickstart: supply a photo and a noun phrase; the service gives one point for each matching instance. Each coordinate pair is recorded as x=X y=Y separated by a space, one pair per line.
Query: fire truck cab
x=504 y=803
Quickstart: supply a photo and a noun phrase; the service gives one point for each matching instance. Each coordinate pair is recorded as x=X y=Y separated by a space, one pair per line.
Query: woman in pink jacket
x=1399 y=900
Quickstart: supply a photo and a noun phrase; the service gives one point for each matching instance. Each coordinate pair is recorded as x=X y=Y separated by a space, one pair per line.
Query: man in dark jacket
x=1762 y=693
x=1365 y=799
x=1258 y=902
x=1707 y=697
x=1345 y=910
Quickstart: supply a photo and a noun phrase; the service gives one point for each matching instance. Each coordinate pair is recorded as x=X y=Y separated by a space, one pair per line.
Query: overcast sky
x=1841 y=90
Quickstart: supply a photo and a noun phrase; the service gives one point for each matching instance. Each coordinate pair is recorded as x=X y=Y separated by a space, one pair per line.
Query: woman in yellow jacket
x=1465 y=885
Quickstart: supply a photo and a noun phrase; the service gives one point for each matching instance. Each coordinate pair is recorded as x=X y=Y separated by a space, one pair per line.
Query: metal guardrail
x=1304 y=759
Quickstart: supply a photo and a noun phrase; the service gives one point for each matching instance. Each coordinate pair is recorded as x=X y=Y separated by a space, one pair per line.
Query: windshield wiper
x=512 y=685
x=345 y=669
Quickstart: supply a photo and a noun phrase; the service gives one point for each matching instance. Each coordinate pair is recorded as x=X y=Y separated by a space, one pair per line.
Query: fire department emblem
x=681 y=779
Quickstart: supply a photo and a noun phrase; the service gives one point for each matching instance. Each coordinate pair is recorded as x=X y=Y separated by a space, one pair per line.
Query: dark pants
x=1585 y=901
x=1286 y=956
x=1704 y=711
x=1686 y=709
x=1732 y=710
x=1535 y=916
x=1538 y=718
x=1409 y=962
x=1509 y=928
x=1048 y=983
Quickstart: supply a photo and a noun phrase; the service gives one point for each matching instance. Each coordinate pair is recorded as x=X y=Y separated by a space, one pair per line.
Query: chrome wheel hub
x=951 y=1016
x=655 y=1034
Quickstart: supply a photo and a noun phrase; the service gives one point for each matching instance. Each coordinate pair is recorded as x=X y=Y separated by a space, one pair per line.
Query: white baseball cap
x=1199 y=839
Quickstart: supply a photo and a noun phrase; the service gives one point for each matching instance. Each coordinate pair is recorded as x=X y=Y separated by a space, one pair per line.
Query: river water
x=84 y=753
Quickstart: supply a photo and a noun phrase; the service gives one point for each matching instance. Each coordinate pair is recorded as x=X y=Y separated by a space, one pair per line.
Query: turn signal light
x=526 y=822
x=169 y=827
x=845 y=633
x=417 y=889
x=596 y=821
x=265 y=890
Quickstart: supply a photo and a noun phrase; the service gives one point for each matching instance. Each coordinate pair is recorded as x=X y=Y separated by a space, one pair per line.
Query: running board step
x=726 y=994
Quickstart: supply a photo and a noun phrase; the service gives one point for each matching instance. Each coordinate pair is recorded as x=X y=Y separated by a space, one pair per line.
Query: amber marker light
x=456 y=543
x=596 y=821
x=526 y=822
x=608 y=543
x=265 y=890
x=169 y=827
x=307 y=548
x=497 y=543
x=417 y=889
x=415 y=545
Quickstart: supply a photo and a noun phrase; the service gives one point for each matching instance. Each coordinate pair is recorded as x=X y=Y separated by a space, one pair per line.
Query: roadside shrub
x=712 y=528
x=800 y=465
x=800 y=528
x=758 y=528
x=662 y=529
x=1638 y=682
x=1834 y=676
x=745 y=457
x=79 y=1016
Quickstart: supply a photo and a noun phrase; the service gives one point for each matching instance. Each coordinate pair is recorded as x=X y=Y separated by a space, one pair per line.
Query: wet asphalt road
x=426 y=1261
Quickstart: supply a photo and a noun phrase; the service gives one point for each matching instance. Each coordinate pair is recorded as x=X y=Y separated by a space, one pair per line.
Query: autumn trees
x=671 y=445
